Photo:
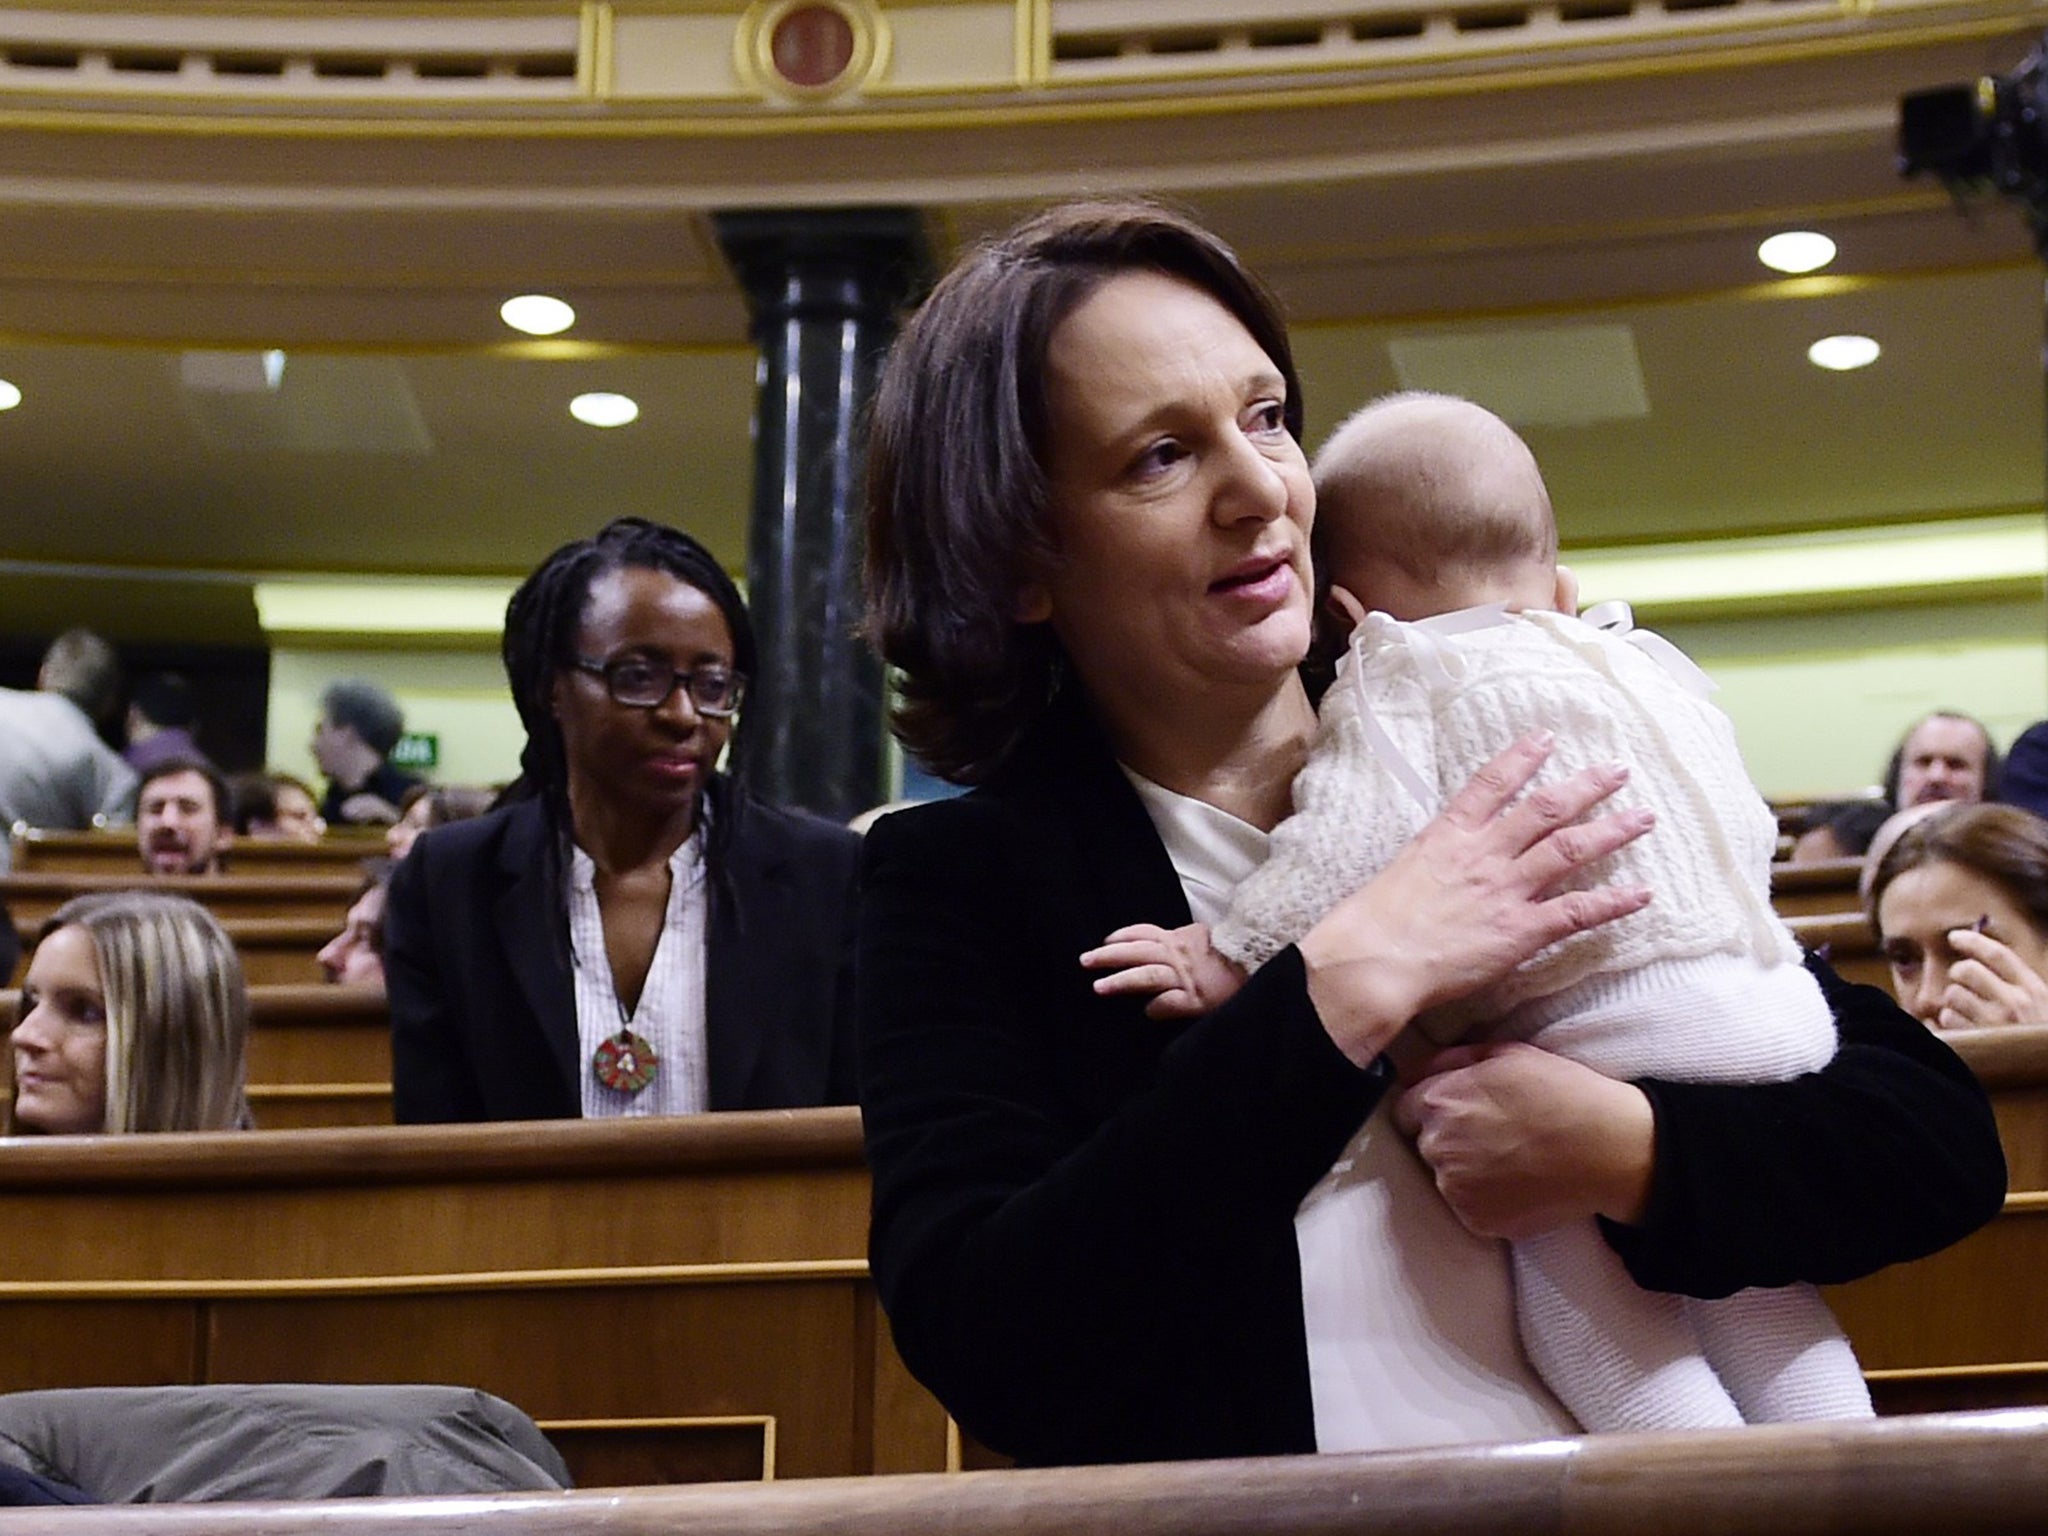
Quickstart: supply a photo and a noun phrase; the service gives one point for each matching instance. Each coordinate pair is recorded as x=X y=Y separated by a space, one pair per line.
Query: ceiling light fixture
x=604 y=410
x=1796 y=251
x=537 y=314
x=1840 y=354
x=10 y=396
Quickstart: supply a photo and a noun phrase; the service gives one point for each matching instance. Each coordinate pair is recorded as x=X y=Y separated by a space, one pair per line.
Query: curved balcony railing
x=849 y=54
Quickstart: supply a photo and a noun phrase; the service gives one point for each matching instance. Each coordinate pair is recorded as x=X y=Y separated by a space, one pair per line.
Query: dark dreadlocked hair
x=541 y=623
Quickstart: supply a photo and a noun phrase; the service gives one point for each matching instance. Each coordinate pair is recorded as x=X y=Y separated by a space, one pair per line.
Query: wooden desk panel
x=113 y=852
x=1827 y=886
x=32 y=898
x=681 y=1289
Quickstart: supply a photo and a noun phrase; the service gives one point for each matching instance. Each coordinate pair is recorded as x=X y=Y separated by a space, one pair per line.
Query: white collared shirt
x=1410 y=1318
x=670 y=1014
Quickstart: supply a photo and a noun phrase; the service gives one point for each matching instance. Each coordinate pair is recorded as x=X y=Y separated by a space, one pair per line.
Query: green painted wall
x=459 y=695
x=1820 y=700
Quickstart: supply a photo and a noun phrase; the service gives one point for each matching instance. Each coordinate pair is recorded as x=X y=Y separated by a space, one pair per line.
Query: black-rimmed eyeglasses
x=641 y=684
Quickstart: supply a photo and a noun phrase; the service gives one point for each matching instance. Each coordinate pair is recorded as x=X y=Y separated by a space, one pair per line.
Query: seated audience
x=434 y=805
x=1839 y=829
x=183 y=823
x=1945 y=756
x=276 y=806
x=1960 y=901
x=55 y=771
x=359 y=725
x=354 y=957
x=636 y=934
x=134 y=1017
x=161 y=715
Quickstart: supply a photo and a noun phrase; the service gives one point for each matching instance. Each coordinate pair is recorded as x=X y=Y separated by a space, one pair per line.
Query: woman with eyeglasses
x=633 y=933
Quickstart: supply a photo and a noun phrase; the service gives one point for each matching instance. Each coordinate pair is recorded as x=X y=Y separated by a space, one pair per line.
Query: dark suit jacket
x=1083 y=1220
x=483 y=1012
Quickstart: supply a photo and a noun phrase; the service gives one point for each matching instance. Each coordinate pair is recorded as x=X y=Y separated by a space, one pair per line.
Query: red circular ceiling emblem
x=812 y=46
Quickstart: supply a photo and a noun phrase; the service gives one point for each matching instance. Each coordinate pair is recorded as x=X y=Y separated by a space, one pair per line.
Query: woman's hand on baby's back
x=1478 y=891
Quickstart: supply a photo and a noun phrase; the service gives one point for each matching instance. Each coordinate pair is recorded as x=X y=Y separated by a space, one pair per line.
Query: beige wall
x=459 y=695
x=1820 y=700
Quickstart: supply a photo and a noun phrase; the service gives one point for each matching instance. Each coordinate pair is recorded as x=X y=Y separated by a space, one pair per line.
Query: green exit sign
x=417 y=750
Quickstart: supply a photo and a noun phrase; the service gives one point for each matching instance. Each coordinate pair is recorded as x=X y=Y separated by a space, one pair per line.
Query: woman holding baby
x=1096 y=1232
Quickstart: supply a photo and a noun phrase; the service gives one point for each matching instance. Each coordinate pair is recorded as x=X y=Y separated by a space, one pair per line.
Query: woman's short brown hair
x=958 y=498
x=2004 y=844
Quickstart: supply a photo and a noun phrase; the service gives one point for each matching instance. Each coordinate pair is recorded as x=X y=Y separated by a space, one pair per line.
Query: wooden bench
x=1824 y=887
x=678 y=1299
x=2012 y=1064
x=319 y=1055
x=30 y=899
x=1957 y=1474
x=113 y=852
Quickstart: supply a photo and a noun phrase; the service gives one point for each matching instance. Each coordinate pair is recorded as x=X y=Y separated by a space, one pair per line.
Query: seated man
x=182 y=818
x=1945 y=756
x=359 y=725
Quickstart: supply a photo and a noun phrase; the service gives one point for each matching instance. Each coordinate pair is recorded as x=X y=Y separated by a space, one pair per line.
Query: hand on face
x=1963 y=953
x=1990 y=985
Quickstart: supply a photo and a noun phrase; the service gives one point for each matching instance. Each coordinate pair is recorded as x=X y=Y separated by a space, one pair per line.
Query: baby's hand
x=1178 y=964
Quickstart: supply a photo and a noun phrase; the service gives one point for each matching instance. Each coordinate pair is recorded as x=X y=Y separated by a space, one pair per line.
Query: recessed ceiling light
x=537 y=314
x=1841 y=353
x=1798 y=250
x=603 y=410
x=10 y=396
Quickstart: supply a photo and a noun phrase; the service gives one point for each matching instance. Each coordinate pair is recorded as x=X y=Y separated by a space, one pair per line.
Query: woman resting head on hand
x=134 y=1017
x=1960 y=901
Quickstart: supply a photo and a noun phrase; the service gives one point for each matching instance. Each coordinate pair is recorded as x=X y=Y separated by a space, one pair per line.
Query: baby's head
x=1426 y=504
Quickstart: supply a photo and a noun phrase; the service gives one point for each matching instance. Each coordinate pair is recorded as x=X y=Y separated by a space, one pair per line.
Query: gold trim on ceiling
x=753 y=50
x=73 y=118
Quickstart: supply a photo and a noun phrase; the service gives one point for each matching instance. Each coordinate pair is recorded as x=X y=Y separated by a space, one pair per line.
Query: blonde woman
x=134 y=1017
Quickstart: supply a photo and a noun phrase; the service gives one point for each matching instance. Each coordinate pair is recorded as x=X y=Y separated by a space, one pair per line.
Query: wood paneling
x=1823 y=887
x=31 y=898
x=696 y=1269
x=114 y=853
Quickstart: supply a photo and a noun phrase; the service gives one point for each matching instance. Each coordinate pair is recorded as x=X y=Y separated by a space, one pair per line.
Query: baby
x=1433 y=515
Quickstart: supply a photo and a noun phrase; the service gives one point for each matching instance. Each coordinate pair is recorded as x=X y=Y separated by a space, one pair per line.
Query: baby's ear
x=1351 y=609
x=1567 y=591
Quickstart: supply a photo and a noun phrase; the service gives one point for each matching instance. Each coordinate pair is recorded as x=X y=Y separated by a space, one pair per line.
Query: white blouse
x=670 y=1013
x=1410 y=1318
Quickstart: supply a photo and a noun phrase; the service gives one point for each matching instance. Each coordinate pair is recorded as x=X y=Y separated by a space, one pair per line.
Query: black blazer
x=1083 y=1220
x=477 y=963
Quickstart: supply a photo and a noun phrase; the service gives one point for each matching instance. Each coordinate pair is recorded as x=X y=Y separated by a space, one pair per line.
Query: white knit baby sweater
x=1453 y=692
